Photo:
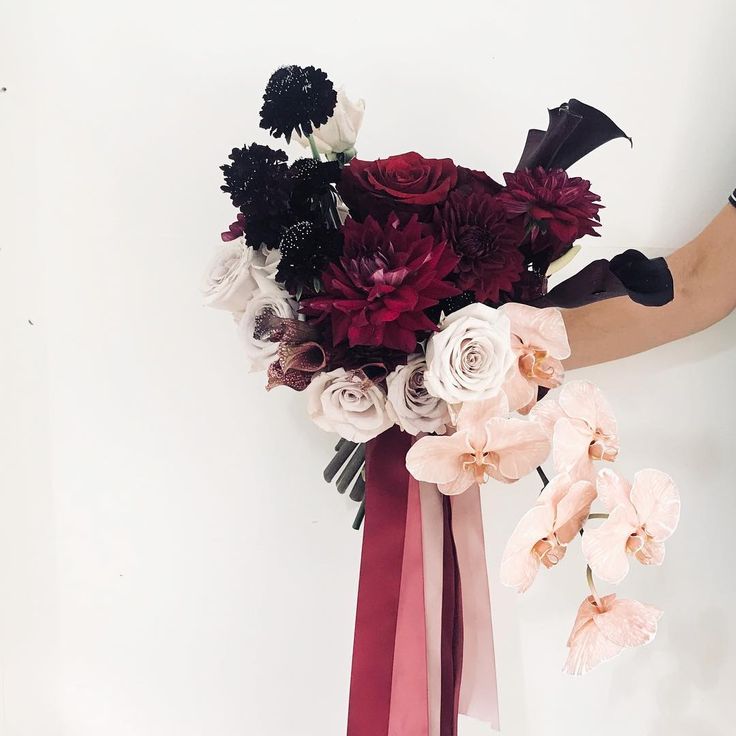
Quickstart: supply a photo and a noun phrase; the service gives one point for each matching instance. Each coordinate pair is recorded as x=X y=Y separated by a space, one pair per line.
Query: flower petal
x=605 y=547
x=571 y=443
x=521 y=446
x=573 y=510
x=543 y=329
x=628 y=623
x=437 y=459
x=519 y=564
x=657 y=502
x=613 y=490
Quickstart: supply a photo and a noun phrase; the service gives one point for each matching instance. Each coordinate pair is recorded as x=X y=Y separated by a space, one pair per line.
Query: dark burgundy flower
x=555 y=209
x=297 y=99
x=257 y=183
x=312 y=189
x=305 y=251
x=407 y=184
x=235 y=230
x=487 y=245
x=470 y=181
x=388 y=275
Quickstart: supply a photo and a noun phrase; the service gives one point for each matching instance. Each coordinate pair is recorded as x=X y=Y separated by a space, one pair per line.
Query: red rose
x=407 y=184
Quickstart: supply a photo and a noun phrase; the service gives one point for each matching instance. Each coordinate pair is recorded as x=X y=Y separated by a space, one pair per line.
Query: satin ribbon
x=479 y=689
x=379 y=591
x=423 y=649
x=409 y=714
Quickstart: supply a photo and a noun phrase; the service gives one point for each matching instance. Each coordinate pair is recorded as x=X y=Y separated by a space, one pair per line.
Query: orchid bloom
x=486 y=443
x=641 y=517
x=601 y=632
x=582 y=426
x=543 y=533
x=539 y=340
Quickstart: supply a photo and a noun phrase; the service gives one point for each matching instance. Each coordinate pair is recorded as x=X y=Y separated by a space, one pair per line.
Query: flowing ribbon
x=379 y=589
x=423 y=649
x=479 y=690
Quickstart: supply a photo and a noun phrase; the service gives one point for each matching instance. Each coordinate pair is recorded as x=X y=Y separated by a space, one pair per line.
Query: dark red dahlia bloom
x=555 y=209
x=487 y=244
x=388 y=275
x=407 y=184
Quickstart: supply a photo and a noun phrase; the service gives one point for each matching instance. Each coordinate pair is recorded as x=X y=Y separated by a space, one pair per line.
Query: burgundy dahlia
x=388 y=275
x=556 y=209
x=486 y=243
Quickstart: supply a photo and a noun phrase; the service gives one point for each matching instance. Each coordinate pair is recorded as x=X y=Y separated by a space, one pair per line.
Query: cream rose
x=349 y=403
x=236 y=272
x=258 y=348
x=339 y=133
x=468 y=359
x=410 y=405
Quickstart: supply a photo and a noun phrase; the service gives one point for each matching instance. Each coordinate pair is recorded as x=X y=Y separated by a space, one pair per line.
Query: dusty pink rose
x=641 y=517
x=539 y=340
x=543 y=533
x=582 y=427
x=601 y=633
x=486 y=444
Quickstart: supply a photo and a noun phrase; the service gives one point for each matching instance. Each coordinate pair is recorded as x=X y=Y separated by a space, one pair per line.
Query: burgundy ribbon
x=452 y=627
x=379 y=592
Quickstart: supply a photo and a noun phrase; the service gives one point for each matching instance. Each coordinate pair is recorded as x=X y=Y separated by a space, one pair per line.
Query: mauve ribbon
x=386 y=492
x=432 y=545
x=409 y=714
x=478 y=691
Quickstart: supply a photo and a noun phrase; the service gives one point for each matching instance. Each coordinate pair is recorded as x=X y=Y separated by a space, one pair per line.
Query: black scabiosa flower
x=258 y=184
x=306 y=249
x=297 y=99
x=313 y=191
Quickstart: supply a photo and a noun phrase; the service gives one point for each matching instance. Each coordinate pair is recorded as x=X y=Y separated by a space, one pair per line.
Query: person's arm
x=704 y=274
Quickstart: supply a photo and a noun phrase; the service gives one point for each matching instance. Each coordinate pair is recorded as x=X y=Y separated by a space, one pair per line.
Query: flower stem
x=543 y=477
x=591 y=585
x=313 y=146
x=597 y=516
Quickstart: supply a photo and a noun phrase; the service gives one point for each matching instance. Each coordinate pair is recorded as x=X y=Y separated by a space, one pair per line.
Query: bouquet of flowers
x=408 y=298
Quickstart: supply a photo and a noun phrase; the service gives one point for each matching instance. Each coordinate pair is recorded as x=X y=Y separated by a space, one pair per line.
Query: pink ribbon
x=478 y=691
x=409 y=693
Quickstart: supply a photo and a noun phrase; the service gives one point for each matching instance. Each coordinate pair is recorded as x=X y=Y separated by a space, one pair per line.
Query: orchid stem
x=597 y=516
x=544 y=478
x=313 y=146
x=591 y=585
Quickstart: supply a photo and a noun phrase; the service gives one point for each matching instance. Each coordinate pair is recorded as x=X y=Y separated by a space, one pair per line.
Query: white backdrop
x=171 y=563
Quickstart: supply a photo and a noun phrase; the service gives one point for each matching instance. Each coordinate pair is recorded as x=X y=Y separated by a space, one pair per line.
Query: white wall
x=171 y=563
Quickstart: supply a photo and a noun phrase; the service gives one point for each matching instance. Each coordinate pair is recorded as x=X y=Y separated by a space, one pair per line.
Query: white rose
x=468 y=359
x=339 y=133
x=410 y=405
x=236 y=272
x=261 y=352
x=348 y=403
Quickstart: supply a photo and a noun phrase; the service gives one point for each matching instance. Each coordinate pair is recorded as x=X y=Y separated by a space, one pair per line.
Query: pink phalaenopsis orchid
x=543 y=533
x=641 y=517
x=539 y=340
x=582 y=427
x=486 y=444
x=601 y=632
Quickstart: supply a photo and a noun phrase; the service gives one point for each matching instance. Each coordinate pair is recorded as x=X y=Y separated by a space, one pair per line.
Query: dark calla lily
x=646 y=281
x=575 y=129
